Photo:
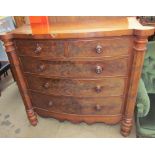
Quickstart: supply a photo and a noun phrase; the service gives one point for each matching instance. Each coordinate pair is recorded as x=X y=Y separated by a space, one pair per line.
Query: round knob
x=50 y=103
x=46 y=85
x=99 y=49
x=98 y=89
x=38 y=49
x=41 y=67
x=98 y=107
x=99 y=69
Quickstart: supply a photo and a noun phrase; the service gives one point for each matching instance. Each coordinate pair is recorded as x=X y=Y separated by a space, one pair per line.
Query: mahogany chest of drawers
x=87 y=72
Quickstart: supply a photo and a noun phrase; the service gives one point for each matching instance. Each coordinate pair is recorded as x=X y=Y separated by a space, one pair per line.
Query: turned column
x=139 y=49
x=15 y=64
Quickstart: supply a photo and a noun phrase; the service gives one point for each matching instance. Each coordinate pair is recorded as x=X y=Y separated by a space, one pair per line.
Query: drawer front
x=101 y=47
x=76 y=68
x=81 y=106
x=40 y=48
x=68 y=87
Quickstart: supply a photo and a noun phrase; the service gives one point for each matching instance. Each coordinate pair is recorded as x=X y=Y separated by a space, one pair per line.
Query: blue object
x=6 y=25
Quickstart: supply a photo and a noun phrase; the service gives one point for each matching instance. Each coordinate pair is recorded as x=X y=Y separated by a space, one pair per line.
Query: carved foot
x=32 y=117
x=126 y=127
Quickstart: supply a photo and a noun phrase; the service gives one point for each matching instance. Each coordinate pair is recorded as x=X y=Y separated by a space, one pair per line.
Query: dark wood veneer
x=100 y=47
x=40 y=48
x=80 y=106
x=85 y=88
x=76 y=68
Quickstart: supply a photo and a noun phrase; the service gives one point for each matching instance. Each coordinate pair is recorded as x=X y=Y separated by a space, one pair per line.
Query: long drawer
x=100 y=68
x=81 y=106
x=70 y=87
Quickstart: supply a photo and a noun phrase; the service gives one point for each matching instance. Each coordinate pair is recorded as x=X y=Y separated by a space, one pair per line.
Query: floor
x=14 y=123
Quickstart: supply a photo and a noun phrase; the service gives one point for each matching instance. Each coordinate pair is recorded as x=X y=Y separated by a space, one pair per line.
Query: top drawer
x=100 y=47
x=103 y=47
x=50 y=48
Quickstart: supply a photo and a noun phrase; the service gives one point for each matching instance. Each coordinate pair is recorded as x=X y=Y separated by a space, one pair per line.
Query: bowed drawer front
x=82 y=77
x=101 y=68
x=87 y=87
x=81 y=106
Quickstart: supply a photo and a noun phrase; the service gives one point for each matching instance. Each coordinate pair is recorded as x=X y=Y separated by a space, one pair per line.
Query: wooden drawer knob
x=38 y=49
x=50 y=103
x=41 y=68
x=46 y=85
x=99 y=69
x=98 y=89
x=99 y=49
x=98 y=107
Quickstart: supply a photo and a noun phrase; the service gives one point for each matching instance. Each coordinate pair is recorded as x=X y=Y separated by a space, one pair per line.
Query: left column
x=15 y=64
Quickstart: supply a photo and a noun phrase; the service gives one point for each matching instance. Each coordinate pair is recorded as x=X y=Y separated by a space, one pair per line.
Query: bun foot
x=126 y=127
x=34 y=123
x=32 y=117
x=125 y=133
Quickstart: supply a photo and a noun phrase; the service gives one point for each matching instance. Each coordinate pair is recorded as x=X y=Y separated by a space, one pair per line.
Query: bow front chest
x=80 y=71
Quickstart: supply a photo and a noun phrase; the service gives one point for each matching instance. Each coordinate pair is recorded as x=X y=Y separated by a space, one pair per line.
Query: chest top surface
x=83 y=27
